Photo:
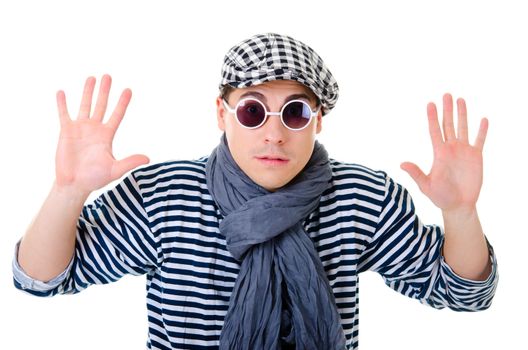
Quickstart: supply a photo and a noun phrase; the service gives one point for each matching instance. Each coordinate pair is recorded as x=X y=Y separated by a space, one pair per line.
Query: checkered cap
x=268 y=57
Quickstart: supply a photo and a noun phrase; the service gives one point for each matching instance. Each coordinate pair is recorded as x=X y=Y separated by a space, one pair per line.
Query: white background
x=389 y=57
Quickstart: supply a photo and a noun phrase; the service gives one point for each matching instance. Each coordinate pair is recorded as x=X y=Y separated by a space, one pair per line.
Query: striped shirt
x=161 y=221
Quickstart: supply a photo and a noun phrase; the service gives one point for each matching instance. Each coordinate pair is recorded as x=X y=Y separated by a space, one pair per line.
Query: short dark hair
x=226 y=91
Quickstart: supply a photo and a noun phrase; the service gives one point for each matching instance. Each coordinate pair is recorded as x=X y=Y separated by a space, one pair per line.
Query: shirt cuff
x=27 y=282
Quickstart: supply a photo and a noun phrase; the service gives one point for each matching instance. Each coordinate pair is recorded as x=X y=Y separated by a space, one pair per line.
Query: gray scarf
x=282 y=298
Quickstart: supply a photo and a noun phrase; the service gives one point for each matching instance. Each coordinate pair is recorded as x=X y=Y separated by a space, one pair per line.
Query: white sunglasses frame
x=278 y=114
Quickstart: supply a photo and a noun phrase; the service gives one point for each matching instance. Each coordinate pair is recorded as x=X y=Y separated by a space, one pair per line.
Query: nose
x=274 y=131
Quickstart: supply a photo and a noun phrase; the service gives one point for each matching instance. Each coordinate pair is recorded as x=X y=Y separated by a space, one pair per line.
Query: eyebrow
x=287 y=99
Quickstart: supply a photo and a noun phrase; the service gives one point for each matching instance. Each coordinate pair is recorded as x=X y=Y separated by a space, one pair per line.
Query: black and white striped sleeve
x=113 y=239
x=408 y=255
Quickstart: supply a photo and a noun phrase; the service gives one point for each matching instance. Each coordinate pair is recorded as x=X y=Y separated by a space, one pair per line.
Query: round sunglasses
x=251 y=113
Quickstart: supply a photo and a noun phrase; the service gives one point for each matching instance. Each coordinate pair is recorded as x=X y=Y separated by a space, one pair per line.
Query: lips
x=272 y=159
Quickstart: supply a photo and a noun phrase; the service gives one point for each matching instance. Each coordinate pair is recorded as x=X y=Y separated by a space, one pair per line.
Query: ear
x=319 y=126
x=220 y=113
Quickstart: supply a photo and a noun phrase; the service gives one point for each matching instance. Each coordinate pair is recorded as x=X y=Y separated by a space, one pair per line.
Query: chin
x=272 y=186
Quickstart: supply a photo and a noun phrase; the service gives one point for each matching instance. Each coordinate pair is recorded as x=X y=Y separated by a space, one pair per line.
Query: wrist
x=70 y=192
x=460 y=213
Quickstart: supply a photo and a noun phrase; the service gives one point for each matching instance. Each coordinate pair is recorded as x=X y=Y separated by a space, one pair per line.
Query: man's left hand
x=455 y=178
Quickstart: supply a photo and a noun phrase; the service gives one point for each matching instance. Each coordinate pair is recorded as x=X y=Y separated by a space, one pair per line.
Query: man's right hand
x=84 y=159
x=84 y=163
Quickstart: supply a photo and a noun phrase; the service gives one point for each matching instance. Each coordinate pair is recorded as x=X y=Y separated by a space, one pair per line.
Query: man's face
x=271 y=155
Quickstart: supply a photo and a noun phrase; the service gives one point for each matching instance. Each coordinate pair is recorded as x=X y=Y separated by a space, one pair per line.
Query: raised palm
x=455 y=178
x=84 y=158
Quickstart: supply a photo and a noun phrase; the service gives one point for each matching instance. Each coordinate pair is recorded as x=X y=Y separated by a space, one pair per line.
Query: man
x=259 y=245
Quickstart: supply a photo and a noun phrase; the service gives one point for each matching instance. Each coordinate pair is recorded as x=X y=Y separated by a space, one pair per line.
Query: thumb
x=123 y=166
x=416 y=173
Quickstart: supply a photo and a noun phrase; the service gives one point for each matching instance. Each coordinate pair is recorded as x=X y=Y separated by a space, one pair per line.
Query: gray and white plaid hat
x=267 y=57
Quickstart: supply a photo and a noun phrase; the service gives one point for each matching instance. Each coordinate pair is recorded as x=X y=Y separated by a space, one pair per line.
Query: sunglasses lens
x=250 y=113
x=296 y=115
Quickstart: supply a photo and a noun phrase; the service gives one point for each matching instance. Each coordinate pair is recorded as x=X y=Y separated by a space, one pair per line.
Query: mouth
x=272 y=160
